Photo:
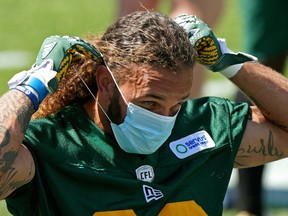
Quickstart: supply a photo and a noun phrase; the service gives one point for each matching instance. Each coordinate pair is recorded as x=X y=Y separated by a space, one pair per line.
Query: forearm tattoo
x=8 y=184
x=265 y=147
x=15 y=112
x=15 y=102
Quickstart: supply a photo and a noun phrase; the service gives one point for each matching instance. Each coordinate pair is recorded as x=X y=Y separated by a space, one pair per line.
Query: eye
x=149 y=104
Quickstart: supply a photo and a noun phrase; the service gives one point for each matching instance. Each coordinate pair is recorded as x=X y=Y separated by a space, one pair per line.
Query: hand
x=53 y=61
x=62 y=50
x=212 y=52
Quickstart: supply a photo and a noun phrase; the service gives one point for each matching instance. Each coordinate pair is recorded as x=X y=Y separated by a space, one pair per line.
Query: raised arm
x=268 y=89
x=27 y=90
x=266 y=135
x=16 y=110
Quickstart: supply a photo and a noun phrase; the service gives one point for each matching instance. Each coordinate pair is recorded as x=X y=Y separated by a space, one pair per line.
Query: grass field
x=23 y=27
x=25 y=24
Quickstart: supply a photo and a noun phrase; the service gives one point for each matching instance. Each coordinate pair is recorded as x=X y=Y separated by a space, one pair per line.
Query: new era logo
x=151 y=193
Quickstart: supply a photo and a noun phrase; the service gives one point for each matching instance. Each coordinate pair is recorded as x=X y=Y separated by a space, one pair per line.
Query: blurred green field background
x=25 y=24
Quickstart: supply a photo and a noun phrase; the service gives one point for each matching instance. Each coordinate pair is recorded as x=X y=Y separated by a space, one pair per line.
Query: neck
x=97 y=116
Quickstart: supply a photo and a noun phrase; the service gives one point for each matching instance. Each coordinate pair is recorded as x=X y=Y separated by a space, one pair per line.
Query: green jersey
x=82 y=171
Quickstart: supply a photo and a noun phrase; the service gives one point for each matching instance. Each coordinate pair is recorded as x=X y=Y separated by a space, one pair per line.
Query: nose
x=164 y=113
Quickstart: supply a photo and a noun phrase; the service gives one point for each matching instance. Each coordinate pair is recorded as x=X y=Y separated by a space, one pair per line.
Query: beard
x=114 y=108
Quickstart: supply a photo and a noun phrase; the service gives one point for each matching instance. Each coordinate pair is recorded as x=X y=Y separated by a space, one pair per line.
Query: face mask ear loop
x=116 y=83
x=78 y=74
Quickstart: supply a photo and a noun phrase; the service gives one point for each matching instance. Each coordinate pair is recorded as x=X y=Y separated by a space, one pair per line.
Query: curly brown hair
x=147 y=39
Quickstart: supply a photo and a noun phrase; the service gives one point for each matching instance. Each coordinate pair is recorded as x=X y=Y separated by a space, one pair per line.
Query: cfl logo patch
x=145 y=173
x=151 y=193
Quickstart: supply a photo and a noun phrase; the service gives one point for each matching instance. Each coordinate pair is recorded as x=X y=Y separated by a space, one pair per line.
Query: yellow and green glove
x=53 y=60
x=211 y=51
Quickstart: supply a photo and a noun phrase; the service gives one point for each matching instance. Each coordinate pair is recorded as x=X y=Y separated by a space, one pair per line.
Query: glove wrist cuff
x=231 y=71
x=38 y=86
x=229 y=59
x=35 y=82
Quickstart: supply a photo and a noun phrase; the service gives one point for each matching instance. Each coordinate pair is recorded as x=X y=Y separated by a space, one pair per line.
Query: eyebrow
x=162 y=97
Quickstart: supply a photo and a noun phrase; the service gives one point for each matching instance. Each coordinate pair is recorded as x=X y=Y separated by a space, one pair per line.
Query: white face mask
x=142 y=131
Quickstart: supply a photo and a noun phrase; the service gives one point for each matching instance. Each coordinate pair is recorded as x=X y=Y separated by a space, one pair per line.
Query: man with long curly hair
x=118 y=134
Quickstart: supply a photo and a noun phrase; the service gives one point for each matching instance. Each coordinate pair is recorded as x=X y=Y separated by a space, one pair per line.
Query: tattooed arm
x=16 y=163
x=266 y=135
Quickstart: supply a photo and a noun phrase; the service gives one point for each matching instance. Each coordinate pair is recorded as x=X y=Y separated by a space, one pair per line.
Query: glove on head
x=211 y=52
x=53 y=61
x=63 y=50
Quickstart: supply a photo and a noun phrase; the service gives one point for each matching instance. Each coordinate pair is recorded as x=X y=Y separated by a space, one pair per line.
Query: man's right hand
x=62 y=50
x=53 y=61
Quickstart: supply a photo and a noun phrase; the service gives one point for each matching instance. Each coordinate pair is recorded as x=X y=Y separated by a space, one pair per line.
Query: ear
x=104 y=81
